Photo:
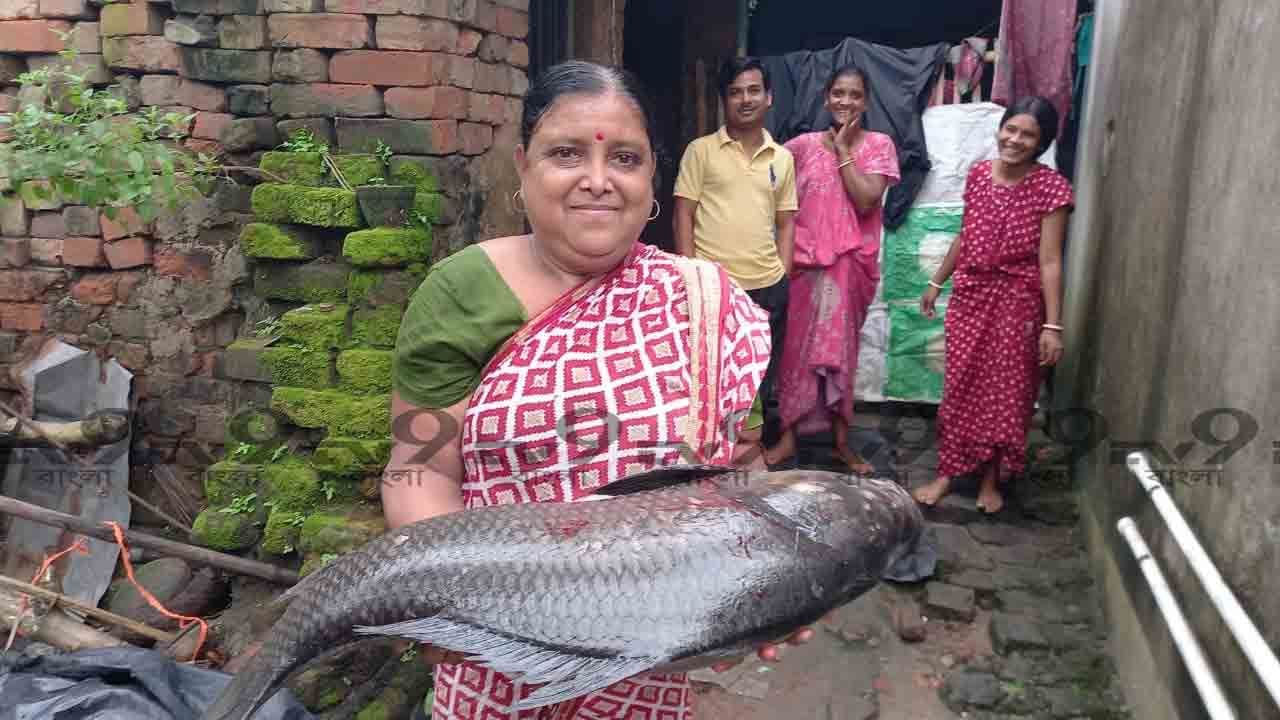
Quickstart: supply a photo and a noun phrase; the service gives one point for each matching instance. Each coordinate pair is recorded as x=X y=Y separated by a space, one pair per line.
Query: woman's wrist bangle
x=846 y=162
x=935 y=285
x=1047 y=326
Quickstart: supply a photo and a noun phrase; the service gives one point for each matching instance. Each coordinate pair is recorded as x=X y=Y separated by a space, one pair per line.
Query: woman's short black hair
x=733 y=67
x=1045 y=114
x=843 y=70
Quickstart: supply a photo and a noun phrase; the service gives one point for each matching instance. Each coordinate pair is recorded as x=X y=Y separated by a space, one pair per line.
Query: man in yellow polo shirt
x=735 y=204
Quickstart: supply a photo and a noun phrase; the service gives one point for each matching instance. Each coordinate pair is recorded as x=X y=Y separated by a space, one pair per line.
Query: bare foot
x=783 y=451
x=933 y=492
x=990 y=500
x=855 y=461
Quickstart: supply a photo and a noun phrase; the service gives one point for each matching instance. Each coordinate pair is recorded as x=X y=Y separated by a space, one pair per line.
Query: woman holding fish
x=543 y=367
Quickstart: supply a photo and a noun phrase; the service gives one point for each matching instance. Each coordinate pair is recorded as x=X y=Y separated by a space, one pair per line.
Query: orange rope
x=183 y=620
x=79 y=546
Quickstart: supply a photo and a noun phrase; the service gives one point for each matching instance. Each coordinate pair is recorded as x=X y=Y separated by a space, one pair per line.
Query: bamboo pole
x=56 y=628
x=172 y=548
x=96 y=613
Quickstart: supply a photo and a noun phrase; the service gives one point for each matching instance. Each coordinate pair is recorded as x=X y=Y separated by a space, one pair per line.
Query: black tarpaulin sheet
x=117 y=683
x=901 y=81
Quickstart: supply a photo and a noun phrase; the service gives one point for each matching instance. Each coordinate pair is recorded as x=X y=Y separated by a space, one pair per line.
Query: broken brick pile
x=438 y=82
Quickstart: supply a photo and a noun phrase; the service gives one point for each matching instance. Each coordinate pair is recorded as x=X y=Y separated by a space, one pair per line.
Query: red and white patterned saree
x=656 y=365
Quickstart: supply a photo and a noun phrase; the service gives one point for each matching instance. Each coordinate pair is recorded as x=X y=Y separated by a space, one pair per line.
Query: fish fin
x=663 y=477
x=564 y=674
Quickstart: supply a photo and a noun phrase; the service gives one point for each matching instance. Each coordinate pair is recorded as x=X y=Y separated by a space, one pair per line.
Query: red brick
x=15 y=252
x=46 y=251
x=8 y=103
x=209 y=126
x=389 y=67
x=364 y=7
x=468 y=41
x=142 y=53
x=441 y=101
x=324 y=99
x=481 y=14
x=160 y=90
x=127 y=222
x=96 y=289
x=208 y=147
x=136 y=18
x=518 y=54
x=492 y=78
x=476 y=138
x=87 y=38
x=48 y=224
x=486 y=108
x=21 y=316
x=319 y=31
x=125 y=283
x=26 y=285
x=65 y=8
x=242 y=32
x=15 y=9
x=430 y=8
x=32 y=36
x=202 y=96
x=444 y=137
x=405 y=32
x=128 y=253
x=83 y=252
x=462 y=72
x=196 y=265
x=512 y=23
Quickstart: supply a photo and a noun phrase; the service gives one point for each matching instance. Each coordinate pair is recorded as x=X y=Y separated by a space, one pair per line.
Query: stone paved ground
x=1008 y=627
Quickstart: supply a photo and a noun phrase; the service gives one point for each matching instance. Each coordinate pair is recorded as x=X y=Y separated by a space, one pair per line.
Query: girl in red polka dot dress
x=1002 y=321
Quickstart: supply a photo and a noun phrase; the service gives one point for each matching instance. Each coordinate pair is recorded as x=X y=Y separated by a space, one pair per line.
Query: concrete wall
x=1174 y=314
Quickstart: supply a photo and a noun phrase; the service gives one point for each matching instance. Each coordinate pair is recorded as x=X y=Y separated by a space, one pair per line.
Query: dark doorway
x=653 y=49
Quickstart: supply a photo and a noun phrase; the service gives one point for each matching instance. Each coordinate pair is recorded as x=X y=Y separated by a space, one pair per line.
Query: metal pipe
x=1201 y=674
x=1246 y=633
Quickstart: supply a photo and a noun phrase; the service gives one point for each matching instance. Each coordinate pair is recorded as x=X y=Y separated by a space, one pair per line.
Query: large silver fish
x=674 y=569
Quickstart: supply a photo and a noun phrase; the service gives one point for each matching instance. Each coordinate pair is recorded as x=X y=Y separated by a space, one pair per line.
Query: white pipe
x=1201 y=674
x=1246 y=633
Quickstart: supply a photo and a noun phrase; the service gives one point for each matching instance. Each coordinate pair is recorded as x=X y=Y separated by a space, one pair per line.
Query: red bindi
x=599 y=137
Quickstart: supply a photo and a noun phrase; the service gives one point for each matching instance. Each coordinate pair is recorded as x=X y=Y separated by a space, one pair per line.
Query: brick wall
x=438 y=81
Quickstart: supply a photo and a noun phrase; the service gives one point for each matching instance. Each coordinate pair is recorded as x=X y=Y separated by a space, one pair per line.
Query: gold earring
x=519 y=206
x=657 y=210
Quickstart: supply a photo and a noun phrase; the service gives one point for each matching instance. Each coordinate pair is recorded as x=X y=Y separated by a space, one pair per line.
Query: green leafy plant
x=84 y=147
x=268 y=328
x=303 y=140
x=329 y=489
x=327 y=558
x=241 y=504
x=383 y=152
x=417 y=219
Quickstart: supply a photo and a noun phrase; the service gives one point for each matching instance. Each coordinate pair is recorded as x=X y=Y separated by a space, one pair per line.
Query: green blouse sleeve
x=456 y=321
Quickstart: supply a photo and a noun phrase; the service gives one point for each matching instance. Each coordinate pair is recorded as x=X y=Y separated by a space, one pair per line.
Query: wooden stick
x=56 y=628
x=172 y=548
x=93 y=612
x=35 y=428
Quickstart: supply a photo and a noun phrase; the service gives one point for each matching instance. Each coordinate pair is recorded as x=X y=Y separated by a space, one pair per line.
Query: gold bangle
x=1047 y=326
x=846 y=162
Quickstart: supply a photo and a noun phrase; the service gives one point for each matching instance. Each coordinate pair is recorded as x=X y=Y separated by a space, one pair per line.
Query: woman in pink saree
x=841 y=177
x=542 y=367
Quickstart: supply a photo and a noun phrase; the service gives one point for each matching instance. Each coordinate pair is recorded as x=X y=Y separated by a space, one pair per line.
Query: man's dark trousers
x=773 y=299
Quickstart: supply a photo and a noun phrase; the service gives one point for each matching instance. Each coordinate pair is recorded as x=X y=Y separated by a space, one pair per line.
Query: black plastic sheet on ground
x=118 y=683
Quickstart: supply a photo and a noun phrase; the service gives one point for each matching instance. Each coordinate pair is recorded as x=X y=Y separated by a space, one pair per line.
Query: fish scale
x=672 y=571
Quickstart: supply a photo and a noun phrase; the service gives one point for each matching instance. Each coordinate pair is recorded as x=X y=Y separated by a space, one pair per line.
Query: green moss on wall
x=367 y=372
x=387 y=247
x=295 y=168
x=322 y=207
x=317 y=327
x=276 y=242
x=340 y=413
